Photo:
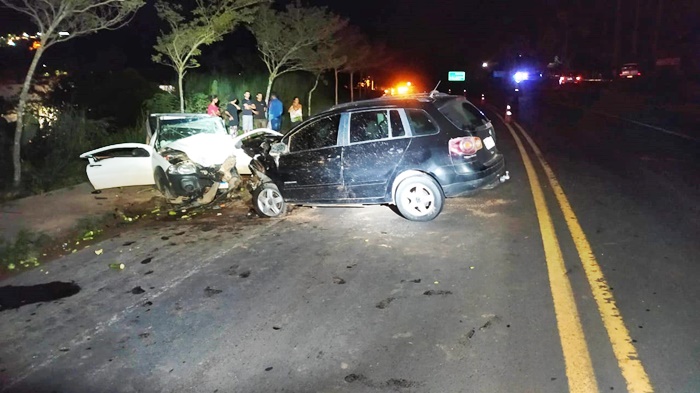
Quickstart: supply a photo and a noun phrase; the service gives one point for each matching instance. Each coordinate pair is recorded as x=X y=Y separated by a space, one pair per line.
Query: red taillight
x=578 y=78
x=465 y=146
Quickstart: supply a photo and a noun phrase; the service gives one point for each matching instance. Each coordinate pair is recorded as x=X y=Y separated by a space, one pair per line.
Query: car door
x=121 y=165
x=310 y=169
x=376 y=145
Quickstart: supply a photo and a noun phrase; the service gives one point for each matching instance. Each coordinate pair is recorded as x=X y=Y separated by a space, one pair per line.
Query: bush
x=22 y=252
x=51 y=159
x=162 y=102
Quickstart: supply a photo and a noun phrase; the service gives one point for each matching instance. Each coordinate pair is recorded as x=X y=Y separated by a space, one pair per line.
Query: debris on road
x=138 y=290
x=338 y=280
x=385 y=303
x=433 y=292
x=209 y=292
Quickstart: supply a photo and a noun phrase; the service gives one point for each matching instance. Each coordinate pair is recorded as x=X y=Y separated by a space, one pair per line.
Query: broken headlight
x=183 y=168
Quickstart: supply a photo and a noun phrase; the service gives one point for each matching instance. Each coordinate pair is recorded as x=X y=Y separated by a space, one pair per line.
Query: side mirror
x=278 y=148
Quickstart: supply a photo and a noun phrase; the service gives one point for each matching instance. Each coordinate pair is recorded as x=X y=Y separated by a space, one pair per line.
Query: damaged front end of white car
x=189 y=158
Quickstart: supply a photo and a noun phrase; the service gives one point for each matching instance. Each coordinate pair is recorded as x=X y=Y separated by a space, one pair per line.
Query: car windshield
x=463 y=114
x=174 y=128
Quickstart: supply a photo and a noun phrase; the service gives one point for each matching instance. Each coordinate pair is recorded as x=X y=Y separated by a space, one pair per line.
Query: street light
x=484 y=64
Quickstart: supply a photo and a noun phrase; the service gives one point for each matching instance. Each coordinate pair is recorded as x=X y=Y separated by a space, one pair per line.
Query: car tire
x=268 y=201
x=419 y=198
x=163 y=185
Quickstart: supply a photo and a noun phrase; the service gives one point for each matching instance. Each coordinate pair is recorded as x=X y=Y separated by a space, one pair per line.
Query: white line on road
x=639 y=123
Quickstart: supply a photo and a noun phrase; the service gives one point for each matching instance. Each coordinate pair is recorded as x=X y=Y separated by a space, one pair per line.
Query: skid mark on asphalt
x=393 y=383
x=481 y=208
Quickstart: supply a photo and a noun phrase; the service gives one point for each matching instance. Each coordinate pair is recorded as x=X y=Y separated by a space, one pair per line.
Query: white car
x=188 y=157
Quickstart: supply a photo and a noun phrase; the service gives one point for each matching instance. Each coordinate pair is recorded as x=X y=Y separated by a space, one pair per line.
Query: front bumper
x=188 y=185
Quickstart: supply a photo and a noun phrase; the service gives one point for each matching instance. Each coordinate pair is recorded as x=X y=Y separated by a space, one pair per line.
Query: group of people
x=255 y=113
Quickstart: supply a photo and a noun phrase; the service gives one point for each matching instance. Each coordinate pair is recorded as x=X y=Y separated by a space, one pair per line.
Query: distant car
x=411 y=152
x=630 y=70
x=188 y=157
x=570 y=79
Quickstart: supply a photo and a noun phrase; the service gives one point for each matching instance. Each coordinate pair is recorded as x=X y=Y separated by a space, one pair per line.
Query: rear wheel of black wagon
x=419 y=198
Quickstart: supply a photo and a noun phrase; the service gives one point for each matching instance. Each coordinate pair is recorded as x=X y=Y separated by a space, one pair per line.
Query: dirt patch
x=123 y=216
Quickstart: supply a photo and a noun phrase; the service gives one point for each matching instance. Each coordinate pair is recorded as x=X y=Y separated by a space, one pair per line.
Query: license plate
x=223 y=184
x=489 y=143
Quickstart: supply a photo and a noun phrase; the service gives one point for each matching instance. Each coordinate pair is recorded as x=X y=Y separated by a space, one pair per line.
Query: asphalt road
x=361 y=300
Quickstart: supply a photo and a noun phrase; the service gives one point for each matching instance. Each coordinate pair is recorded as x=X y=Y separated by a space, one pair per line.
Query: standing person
x=275 y=111
x=213 y=108
x=260 y=112
x=232 y=109
x=295 y=112
x=247 y=112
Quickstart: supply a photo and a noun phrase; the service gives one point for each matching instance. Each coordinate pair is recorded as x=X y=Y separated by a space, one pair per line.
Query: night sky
x=426 y=38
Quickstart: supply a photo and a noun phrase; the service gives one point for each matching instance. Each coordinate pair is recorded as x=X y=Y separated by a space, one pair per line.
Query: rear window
x=421 y=123
x=463 y=115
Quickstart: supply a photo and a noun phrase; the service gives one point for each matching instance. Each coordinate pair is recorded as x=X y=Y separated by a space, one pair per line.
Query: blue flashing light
x=520 y=76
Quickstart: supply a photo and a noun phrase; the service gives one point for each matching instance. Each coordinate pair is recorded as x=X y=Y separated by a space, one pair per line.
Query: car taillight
x=465 y=146
x=578 y=78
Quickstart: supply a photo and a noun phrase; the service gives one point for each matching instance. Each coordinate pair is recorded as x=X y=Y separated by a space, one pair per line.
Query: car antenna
x=435 y=89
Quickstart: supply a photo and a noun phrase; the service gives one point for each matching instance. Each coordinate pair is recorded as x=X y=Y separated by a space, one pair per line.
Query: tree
x=208 y=23
x=59 y=21
x=284 y=37
x=320 y=59
x=355 y=46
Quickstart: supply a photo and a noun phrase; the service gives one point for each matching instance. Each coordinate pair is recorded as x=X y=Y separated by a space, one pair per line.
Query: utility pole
x=635 y=32
x=618 y=35
x=657 y=30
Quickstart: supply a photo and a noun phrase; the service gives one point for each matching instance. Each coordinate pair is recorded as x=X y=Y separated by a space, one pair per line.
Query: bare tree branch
x=284 y=36
x=207 y=23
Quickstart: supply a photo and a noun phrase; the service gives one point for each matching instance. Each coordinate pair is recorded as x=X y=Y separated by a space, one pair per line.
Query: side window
x=368 y=126
x=321 y=133
x=396 y=124
x=421 y=123
x=123 y=152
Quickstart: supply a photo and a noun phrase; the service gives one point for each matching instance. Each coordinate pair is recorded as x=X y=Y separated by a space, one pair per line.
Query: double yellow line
x=577 y=358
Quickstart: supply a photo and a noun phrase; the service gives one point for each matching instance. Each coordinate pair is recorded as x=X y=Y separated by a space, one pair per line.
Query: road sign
x=456 y=76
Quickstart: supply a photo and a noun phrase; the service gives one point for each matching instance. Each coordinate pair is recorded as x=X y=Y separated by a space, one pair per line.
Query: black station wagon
x=410 y=152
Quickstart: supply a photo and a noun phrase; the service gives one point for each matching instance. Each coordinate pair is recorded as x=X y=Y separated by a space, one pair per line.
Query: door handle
x=93 y=165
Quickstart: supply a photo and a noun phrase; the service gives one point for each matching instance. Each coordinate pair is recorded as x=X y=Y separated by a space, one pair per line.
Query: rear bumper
x=459 y=185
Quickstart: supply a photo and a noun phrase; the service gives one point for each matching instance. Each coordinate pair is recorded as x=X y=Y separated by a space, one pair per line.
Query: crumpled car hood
x=205 y=149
